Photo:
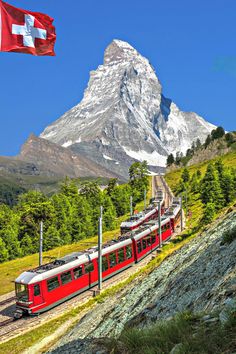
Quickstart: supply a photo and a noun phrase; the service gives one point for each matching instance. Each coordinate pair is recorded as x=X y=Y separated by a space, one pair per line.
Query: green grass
x=190 y=330
x=20 y=343
x=10 y=270
x=173 y=178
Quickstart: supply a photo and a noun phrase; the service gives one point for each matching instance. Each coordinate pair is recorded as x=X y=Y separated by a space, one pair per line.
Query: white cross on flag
x=25 y=31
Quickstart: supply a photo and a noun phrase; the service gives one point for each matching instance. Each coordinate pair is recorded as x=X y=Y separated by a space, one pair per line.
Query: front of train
x=24 y=300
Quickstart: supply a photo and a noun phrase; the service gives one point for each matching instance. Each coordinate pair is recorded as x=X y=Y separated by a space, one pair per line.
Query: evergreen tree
x=211 y=191
x=51 y=238
x=207 y=141
x=209 y=213
x=198 y=144
x=178 y=158
x=111 y=185
x=194 y=183
x=170 y=160
x=217 y=133
x=138 y=174
x=185 y=175
x=27 y=246
x=4 y=256
x=121 y=199
x=199 y=174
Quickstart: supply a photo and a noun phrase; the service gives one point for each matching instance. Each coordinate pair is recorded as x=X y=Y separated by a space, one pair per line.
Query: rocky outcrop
x=124 y=116
x=200 y=277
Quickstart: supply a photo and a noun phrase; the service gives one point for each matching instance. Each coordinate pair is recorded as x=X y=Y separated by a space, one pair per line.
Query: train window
x=104 y=263
x=128 y=252
x=121 y=255
x=149 y=242
x=144 y=244
x=21 y=292
x=139 y=246
x=36 y=290
x=66 y=278
x=89 y=267
x=112 y=259
x=53 y=283
x=78 y=272
x=153 y=239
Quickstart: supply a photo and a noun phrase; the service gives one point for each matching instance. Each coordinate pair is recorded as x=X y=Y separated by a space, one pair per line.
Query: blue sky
x=191 y=45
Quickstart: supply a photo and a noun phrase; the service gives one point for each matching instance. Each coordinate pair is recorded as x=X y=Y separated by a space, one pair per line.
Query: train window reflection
x=121 y=255
x=104 y=263
x=78 y=272
x=66 y=278
x=36 y=290
x=21 y=292
x=112 y=259
x=53 y=283
x=88 y=267
x=128 y=252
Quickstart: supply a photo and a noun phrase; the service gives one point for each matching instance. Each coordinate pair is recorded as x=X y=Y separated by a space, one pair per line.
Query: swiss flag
x=24 y=31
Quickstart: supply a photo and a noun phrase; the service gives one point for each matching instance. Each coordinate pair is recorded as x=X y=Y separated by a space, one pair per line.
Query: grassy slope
x=195 y=204
x=11 y=269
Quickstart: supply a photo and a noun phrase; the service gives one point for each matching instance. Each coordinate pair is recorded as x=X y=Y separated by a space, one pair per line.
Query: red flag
x=24 y=31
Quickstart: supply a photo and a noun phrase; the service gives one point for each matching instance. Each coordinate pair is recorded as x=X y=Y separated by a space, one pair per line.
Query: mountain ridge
x=124 y=115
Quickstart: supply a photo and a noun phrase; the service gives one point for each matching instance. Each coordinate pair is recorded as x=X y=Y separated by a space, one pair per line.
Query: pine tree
x=185 y=175
x=194 y=183
x=4 y=256
x=170 y=160
x=211 y=191
x=209 y=213
x=207 y=141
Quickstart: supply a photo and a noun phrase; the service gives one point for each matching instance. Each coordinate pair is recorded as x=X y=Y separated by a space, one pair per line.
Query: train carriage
x=148 y=240
x=151 y=213
x=44 y=287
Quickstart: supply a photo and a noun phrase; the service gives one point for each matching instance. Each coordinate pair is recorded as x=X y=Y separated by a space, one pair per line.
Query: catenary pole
x=41 y=244
x=100 y=250
x=159 y=224
x=131 y=205
x=145 y=197
x=181 y=213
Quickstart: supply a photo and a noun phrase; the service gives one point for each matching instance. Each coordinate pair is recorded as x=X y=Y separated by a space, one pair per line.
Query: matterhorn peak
x=118 y=51
x=124 y=116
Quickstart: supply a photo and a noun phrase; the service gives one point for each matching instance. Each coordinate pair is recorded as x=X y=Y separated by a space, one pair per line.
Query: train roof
x=136 y=218
x=76 y=259
x=70 y=261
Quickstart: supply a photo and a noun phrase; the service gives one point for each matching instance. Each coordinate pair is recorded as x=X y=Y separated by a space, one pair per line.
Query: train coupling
x=18 y=314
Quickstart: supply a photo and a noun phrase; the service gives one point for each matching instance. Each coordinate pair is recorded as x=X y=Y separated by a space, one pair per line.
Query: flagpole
x=0 y=25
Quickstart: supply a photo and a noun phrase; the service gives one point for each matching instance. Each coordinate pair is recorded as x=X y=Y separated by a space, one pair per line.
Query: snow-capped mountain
x=124 y=116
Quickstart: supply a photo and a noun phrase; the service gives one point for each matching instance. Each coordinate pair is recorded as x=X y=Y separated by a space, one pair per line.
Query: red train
x=150 y=213
x=42 y=288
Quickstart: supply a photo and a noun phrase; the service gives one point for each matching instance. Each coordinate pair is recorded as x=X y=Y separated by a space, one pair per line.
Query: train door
x=89 y=276
x=37 y=294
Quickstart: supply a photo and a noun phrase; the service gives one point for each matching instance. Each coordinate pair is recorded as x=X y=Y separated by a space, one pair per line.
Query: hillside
x=186 y=281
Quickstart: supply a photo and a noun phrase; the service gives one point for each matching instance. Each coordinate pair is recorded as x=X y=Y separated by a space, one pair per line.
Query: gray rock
x=177 y=349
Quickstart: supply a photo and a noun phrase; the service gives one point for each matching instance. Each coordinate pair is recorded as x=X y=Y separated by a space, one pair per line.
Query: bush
x=229 y=236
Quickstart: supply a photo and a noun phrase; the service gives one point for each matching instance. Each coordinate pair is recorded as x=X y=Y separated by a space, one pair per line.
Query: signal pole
x=41 y=244
x=100 y=250
x=159 y=224
x=181 y=213
x=131 y=205
x=145 y=196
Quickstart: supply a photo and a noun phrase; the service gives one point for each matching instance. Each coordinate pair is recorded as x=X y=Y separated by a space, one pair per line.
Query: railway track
x=11 y=328
x=7 y=301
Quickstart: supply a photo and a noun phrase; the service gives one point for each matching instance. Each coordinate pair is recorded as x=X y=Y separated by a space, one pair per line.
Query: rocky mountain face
x=124 y=116
x=200 y=277
x=51 y=159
